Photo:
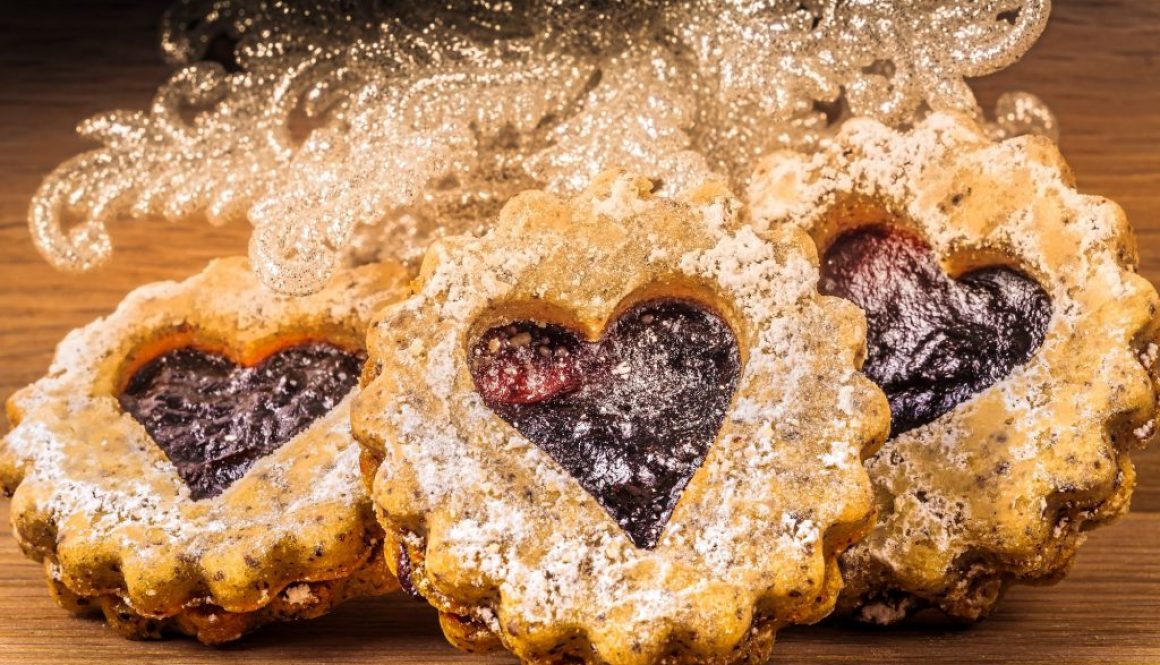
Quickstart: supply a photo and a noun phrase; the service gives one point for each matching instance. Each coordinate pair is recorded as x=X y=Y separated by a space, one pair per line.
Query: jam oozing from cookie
x=933 y=341
x=214 y=419
x=631 y=416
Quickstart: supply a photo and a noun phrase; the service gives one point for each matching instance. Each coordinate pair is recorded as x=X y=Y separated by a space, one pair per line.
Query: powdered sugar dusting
x=500 y=514
x=973 y=480
x=92 y=473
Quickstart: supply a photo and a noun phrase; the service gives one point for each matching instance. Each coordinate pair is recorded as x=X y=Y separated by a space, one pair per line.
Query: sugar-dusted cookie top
x=620 y=427
x=1008 y=328
x=193 y=448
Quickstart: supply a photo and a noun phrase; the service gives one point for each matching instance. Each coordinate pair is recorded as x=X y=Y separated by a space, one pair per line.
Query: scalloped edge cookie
x=1002 y=488
x=509 y=547
x=99 y=503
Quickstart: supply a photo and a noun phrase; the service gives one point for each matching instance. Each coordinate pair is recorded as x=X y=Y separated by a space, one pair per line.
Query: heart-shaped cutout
x=632 y=416
x=214 y=419
x=933 y=341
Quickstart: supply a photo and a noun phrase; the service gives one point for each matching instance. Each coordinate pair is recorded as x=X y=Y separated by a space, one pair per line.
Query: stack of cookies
x=620 y=429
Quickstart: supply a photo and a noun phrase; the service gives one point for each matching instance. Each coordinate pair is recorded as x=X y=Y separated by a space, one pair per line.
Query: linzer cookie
x=187 y=464
x=1011 y=334
x=620 y=429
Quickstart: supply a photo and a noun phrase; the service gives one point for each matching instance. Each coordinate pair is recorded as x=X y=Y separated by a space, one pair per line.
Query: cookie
x=1012 y=335
x=620 y=429
x=187 y=463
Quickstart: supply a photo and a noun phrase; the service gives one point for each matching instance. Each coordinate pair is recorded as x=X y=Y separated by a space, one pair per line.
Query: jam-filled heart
x=632 y=416
x=214 y=419
x=933 y=341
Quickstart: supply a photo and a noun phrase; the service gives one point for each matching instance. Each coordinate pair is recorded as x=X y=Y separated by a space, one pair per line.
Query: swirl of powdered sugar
x=360 y=129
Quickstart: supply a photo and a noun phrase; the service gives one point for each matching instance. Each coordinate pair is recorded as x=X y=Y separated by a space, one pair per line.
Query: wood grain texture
x=1104 y=612
x=1098 y=66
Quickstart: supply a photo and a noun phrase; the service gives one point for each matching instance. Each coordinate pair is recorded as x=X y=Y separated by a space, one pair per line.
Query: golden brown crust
x=213 y=625
x=497 y=535
x=1001 y=488
x=100 y=503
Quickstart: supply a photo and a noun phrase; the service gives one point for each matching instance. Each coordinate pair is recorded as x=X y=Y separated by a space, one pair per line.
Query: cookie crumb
x=299 y=594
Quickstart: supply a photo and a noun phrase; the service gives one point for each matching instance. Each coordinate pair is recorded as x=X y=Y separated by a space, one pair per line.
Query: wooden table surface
x=1098 y=66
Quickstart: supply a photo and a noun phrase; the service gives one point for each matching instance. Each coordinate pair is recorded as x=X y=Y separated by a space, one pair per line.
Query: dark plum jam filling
x=933 y=341
x=630 y=416
x=214 y=419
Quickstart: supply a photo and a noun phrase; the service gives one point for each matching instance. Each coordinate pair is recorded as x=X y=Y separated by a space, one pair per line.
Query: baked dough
x=100 y=503
x=1001 y=488
x=509 y=546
